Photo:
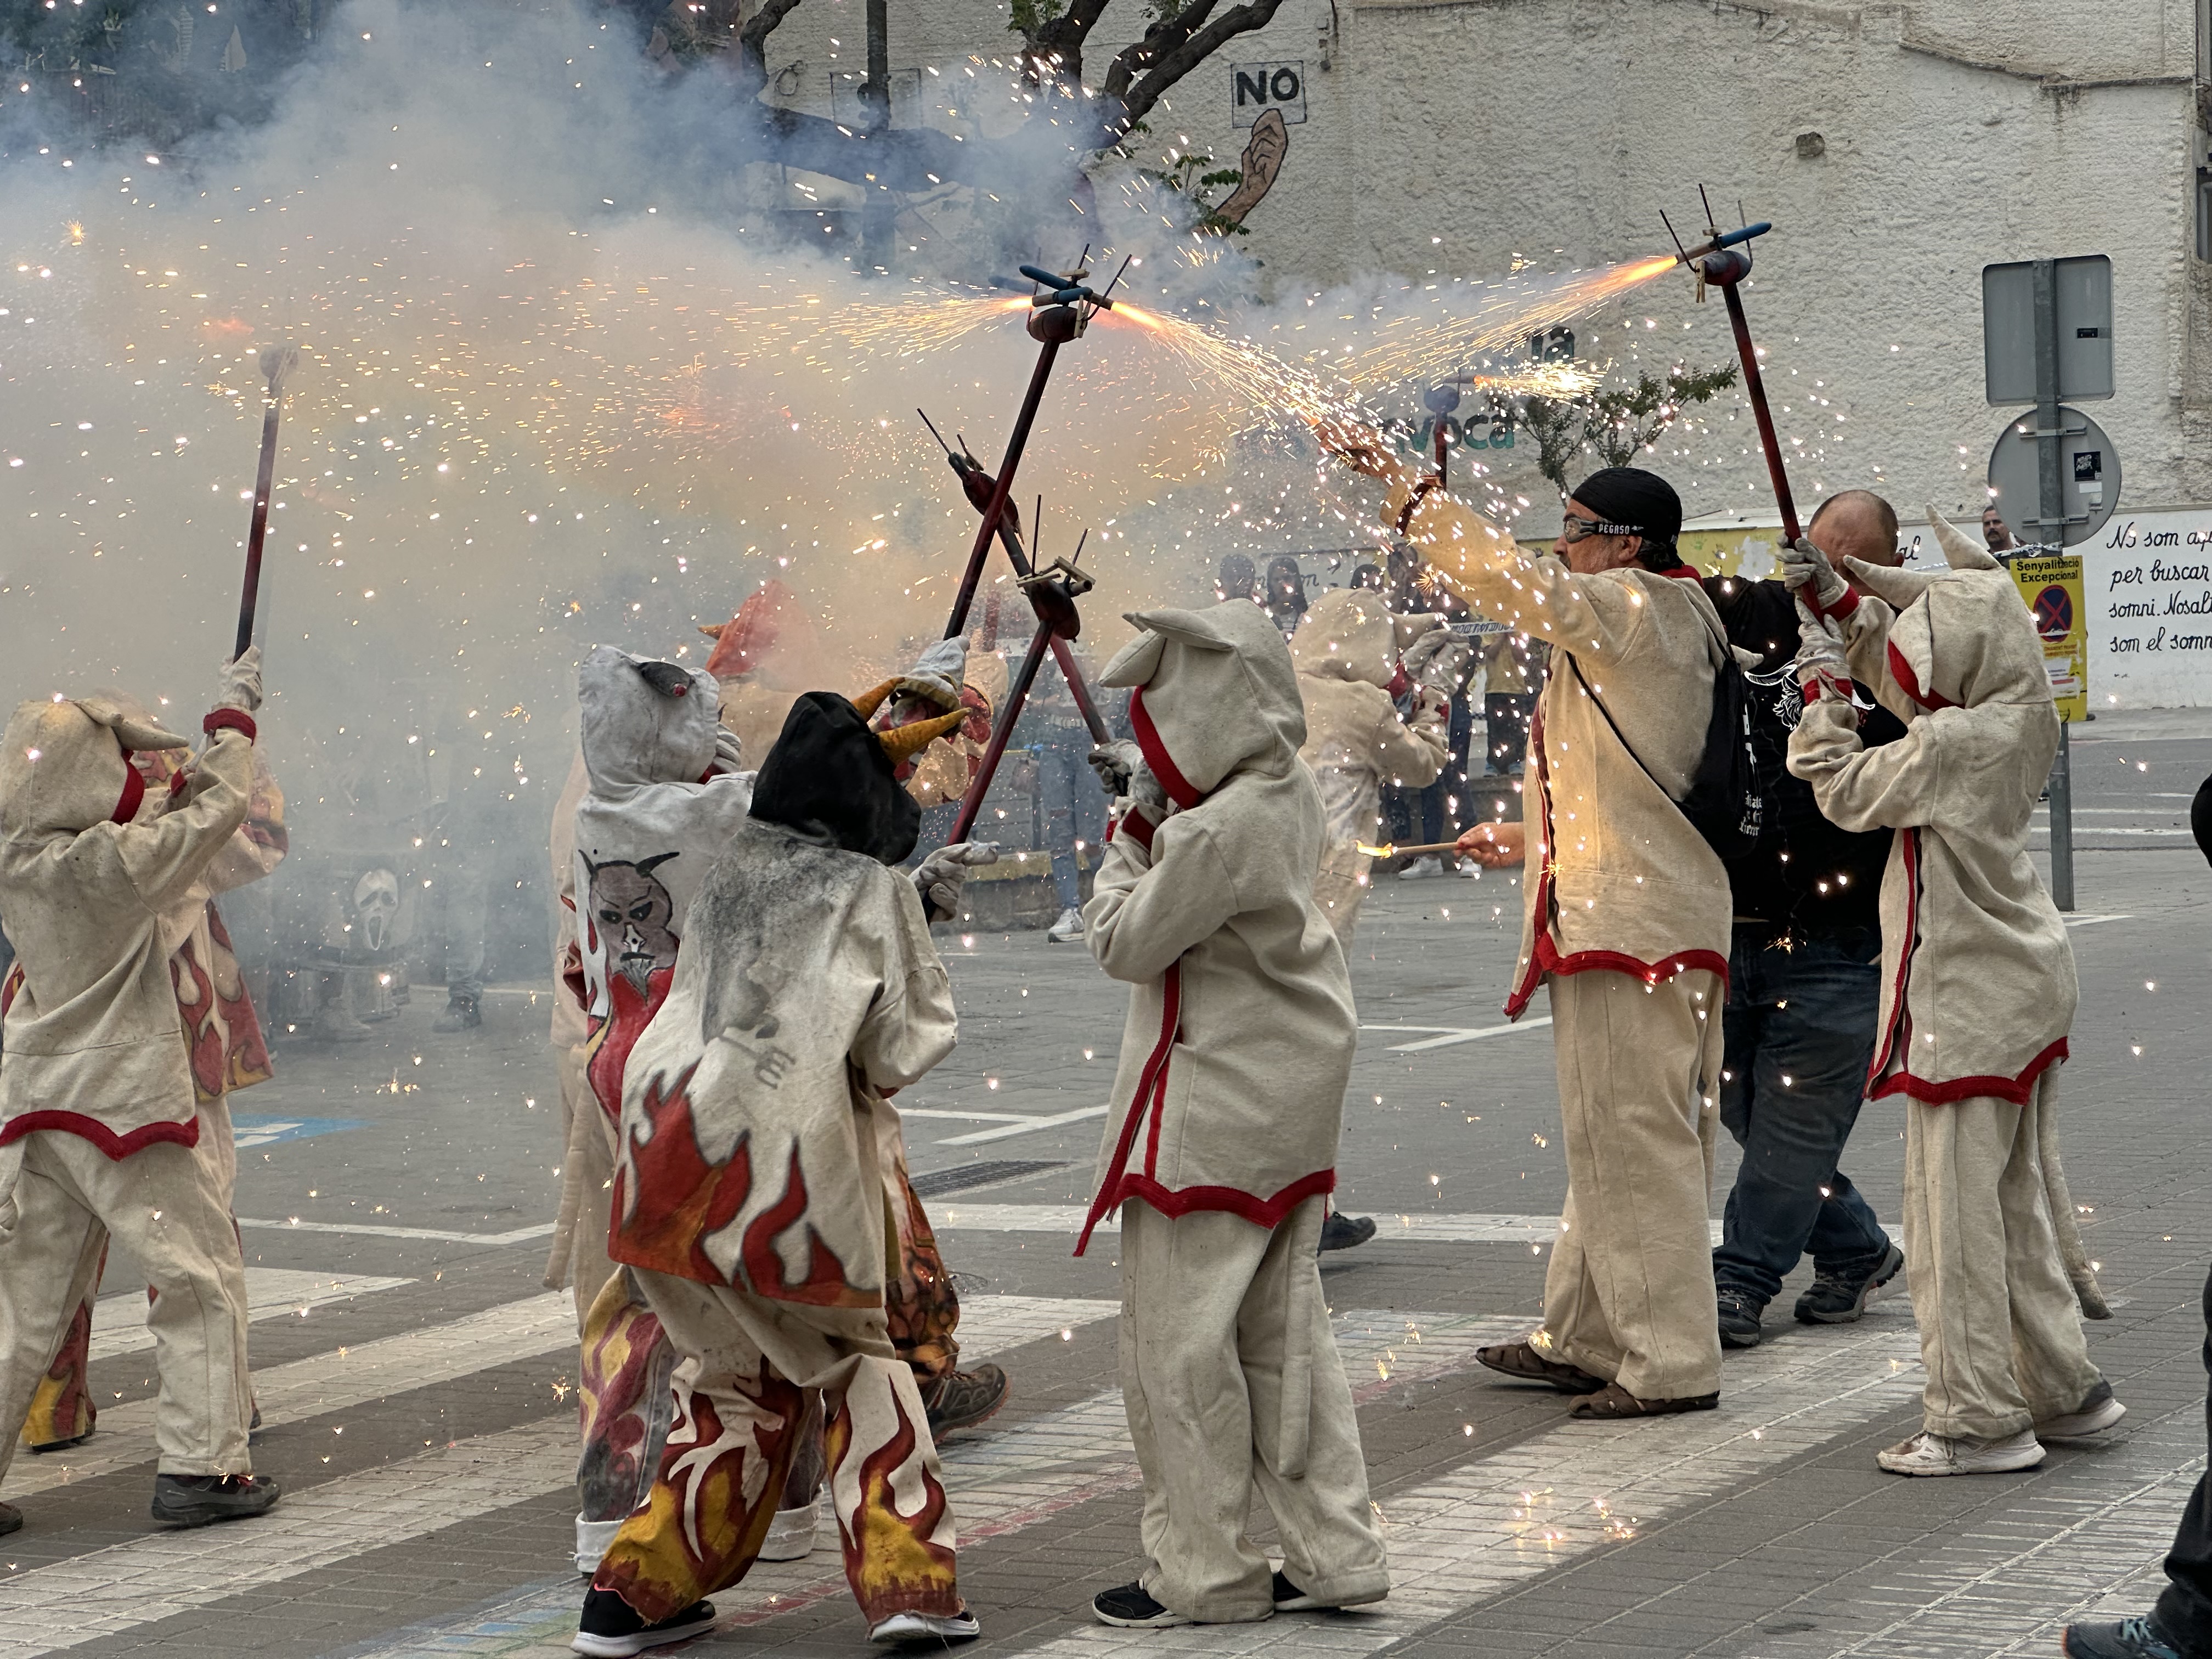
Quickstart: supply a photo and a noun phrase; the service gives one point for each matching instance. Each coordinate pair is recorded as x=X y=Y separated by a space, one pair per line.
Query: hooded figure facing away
x=1347 y=654
x=749 y=1200
x=1221 y=1143
x=1979 y=991
x=100 y=1121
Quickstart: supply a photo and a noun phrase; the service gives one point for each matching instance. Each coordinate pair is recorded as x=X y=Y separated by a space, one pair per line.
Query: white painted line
x=521 y=1235
x=984 y=1117
x=1029 y=1125
x=119 y=1321
x=1470 y=1035
x=2091 y=921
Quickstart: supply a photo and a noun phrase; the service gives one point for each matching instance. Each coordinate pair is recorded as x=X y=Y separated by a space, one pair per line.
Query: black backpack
x=1726 y=802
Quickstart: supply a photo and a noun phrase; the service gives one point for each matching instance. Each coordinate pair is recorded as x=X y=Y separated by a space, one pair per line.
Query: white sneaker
x=1421 y=869
x=2098 y=1412
x=926 y=1627
x=1938 y=1454
x=1068 y=929
x=1469 y=870
x=791 y=1535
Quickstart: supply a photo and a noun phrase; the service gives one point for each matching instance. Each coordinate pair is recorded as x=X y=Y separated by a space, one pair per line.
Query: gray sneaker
x=1739 y=1316
x=1068 y=930
x=1840 y=1298
x=197 y=1500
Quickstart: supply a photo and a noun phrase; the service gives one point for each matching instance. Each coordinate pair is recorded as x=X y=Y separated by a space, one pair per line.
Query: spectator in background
x=1237 y=579
x=1368 y=576
x=1512 y=669
x=1996 y=532
x=1286 y=594
x=1071 y=810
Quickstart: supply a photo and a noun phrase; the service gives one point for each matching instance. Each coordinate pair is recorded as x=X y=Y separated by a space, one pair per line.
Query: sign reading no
x=1256 y=88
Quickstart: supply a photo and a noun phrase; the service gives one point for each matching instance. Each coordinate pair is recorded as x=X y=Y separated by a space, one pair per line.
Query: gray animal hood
x=1216 y=694
x=638 y=726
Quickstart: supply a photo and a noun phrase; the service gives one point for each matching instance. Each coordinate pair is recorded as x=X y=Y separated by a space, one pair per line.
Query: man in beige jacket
x=99 y=1125
x=1626 y=921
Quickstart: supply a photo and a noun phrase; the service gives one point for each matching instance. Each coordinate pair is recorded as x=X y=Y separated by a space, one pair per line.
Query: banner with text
x=2148 y=578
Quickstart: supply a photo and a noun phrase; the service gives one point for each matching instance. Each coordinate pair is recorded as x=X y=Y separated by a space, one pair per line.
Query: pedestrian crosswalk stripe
x=119 y=1321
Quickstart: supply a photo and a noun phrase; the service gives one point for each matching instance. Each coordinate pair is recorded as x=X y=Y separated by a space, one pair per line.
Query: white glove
x=1804 y=564
x=1437 y=659
x=940 y=877
x=241 y=682
x=1114 y=764
x=1146 y=790
x=1820 y=652
x=728 y=750
x=938 y=674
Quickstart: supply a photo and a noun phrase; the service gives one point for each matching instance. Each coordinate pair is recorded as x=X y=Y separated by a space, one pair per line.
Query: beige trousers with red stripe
x=1231 y=1380
x=169 y=1208
x=1629 y=1294
x=2000 y=1328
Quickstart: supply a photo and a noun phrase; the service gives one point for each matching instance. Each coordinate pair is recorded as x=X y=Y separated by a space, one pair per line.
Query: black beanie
x=1635 y=501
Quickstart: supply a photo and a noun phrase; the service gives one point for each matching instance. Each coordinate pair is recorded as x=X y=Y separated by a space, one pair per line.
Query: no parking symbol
x=2054 y=613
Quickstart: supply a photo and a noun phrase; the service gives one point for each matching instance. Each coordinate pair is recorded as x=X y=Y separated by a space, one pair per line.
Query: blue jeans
x=1806 y=1014
x=1073 y=809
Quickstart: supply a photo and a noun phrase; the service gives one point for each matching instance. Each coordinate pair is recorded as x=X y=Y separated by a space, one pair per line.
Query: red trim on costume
x=1151 y=1088
x=1687 y=572
x=1181 y=790
x=1139 y=824
x=133 y=796
x=230 y=719
x=1909 y=841
x=118 y=1147
x=1260 y=1212
x=2013 y=1088
x=1901 y=672
x=1845 y=606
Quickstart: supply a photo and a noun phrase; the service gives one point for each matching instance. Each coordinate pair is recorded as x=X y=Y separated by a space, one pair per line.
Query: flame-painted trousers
x=623 y=1379
x=740 y=1400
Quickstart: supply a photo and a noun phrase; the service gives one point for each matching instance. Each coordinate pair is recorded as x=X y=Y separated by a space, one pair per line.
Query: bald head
x=1857 y=523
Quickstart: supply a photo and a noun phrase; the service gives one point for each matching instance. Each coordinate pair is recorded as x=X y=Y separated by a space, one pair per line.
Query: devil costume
x=1978 y=987
x=1220 y=1147
x=1347 y=654
x=100 y=1120
x=749 y=1204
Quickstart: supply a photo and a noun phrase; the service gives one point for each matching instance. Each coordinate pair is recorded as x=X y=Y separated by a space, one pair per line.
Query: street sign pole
x=2053 y=512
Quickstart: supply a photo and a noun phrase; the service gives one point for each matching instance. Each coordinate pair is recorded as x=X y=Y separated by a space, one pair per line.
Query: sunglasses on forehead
x=1573 y=529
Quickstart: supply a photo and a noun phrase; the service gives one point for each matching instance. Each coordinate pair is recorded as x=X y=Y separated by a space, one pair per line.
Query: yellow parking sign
x=2052 y=586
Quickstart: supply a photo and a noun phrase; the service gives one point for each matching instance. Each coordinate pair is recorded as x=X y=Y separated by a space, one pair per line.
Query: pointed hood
x=1216 y=694
x=772 y=637
x=63 y=765
x=830 y=778
x=644 y=722
x=1346 y=633
x=1967 y=643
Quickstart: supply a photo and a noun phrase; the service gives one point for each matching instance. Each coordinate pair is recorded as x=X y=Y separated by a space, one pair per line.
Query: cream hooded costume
x=1221 y=1143
x=1978 y=981
x=100 y=1121
x=663 y=798
x=1345 y=651
x=1626 y=916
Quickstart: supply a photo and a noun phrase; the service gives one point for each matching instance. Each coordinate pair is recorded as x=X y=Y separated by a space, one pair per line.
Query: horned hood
x=1963 y=638
x=1347 y=634
x=644 y=722
x=830 y=778
x=1216 y=694
x=63 y=768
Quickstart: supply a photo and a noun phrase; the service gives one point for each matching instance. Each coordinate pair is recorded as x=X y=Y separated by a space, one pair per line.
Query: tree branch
x=1182 y=44
x=752 y=46
x=1060 y=42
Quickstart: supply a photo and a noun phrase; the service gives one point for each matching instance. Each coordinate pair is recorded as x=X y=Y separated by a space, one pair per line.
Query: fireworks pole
x=980 y=491
x=1068 y=584
x=1723 y=260
x=276 y=363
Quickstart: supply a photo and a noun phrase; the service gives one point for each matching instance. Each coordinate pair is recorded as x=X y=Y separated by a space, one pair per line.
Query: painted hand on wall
x=1262 y=161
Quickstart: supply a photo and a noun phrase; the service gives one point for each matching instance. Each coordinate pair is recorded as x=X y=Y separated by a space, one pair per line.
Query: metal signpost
x=2047 y=335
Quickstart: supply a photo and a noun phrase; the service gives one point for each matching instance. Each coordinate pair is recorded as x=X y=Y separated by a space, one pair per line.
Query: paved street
x=418 y=1379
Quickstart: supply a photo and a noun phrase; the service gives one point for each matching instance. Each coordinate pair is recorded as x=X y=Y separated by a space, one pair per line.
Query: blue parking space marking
x=253 y=1129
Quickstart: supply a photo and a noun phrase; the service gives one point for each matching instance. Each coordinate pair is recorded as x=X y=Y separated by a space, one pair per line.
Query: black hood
x=828 y=779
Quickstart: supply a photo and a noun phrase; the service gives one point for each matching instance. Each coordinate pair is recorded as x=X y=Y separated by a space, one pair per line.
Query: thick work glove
x=728 y=751
x=1820 y=667
x=1804 y=565
x=1437 y=659
x=241 y=682
x=942 y=875
x=1114 y=764
x=938 y=674
x=1147 y=792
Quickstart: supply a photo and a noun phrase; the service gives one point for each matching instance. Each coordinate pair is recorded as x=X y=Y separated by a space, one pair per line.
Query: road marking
x=2091 y=921
x=1469 y=1034
x=361 y=1374
x=1027 y=1126
x=118 y=1322
x=521 y=1235
x=251 y=1130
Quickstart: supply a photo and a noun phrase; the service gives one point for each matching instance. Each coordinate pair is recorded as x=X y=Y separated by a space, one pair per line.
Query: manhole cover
x=968 y=1176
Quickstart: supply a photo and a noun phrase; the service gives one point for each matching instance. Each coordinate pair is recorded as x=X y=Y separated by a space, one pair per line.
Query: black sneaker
x=965 y=1399
x=1738 y=1315
x=1288 y=1598
x=610 y=1630
x=197 y=1500
x=1342 y=1232
x=462 y=1014
x=2132 y=1638
x=1132 y=1608
x=1840 y=1298
x=11 y=1519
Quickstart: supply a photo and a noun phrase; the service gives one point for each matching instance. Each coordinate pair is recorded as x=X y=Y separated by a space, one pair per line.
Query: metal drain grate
x=968 y=1176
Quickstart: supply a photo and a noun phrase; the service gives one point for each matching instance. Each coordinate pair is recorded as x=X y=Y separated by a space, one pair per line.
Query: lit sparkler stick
x=275 y=364
x=1391 y=849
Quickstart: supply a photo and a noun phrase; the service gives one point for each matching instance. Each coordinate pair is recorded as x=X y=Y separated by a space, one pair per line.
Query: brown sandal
x=1521 y=1362
x=1613 y=1403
